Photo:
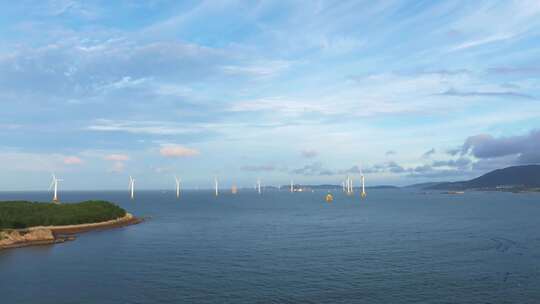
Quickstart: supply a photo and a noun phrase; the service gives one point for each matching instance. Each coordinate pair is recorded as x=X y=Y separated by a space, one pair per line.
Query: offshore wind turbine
x=216 y=185
x=363 y=193
x=292 y=186
x=349 y=185
x=259 y=186
x=177 y=181
x=54 y=184
x=131 y=187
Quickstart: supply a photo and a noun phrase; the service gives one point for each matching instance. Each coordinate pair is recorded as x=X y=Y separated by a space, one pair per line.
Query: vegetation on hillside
x=23 y=214
x=521 y=178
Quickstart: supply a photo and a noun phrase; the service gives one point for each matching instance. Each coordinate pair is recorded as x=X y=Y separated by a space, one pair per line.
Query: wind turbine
x=292 y=186
x=216 y=185
x=259 y=185
x=363 y=193
x=54 y=184
x=177 y=180
x=131 y=187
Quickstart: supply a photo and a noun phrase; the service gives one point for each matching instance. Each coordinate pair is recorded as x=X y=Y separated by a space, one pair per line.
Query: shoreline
x=46 y=235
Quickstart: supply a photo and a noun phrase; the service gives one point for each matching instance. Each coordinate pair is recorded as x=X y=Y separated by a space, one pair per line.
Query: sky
x=404 y=91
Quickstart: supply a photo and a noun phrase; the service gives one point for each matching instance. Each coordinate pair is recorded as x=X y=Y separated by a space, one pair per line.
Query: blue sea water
x=396 y=246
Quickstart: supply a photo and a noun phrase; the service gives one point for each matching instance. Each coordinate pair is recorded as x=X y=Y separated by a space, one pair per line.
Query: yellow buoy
x=329 y=198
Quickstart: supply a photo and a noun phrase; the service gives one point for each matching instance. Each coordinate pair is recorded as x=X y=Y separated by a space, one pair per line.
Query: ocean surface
x=396 y=246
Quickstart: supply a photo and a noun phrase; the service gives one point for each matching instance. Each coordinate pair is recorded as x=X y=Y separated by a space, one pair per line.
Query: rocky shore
x=44 y=235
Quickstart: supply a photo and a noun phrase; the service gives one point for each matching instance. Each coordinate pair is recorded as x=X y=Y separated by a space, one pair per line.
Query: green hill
x=517 y=177
x=23 y=214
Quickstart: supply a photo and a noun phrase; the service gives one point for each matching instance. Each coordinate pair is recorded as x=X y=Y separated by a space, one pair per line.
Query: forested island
x=24 y=223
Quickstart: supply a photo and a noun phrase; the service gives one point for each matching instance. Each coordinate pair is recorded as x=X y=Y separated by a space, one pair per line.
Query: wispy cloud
x=141 y=127
x=313 y=169
x=309 y=153
x=259 y=168
x=501 y=94
x=428 y=153
x=506 y=70
x=481 y=41
x=72 y=160
x=178 y=151
x=116 y=157
x=258 y=69
x=117 y=167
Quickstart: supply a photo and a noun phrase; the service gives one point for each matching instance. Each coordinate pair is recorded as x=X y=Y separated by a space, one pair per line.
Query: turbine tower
x=259 y=185
x=349 y=185
x=131 y=187
x=177 y=181
x=216 y=185
x=363 y=193
x=292 y=186
x=54 y=184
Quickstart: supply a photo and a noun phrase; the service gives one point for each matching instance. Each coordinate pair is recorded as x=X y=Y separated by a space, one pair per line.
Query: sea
x=396 y=246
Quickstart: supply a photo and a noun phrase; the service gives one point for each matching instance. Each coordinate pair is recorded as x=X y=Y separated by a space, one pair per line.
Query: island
x=24 y=223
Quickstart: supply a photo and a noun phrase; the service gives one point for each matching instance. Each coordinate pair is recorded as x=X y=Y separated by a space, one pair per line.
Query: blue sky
x=409 y=91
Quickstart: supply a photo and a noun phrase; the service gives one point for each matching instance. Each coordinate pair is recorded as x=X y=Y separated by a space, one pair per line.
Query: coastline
x=46 y=235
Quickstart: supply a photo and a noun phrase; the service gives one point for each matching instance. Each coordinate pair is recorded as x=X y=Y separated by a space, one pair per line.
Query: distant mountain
x=424 y=185
x=382 y=187
x=337 y=187
x=512 y=177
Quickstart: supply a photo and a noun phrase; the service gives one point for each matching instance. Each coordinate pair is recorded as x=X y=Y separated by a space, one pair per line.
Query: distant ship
x=454 y=192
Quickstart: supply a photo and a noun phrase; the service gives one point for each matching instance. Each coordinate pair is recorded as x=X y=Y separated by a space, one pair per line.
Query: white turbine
x=131 y=187
x=363 y=193
x=349 y=185
x=54 y=184
x=259 y=185
x=292 y=186
x=216 y=185
x=177 y=180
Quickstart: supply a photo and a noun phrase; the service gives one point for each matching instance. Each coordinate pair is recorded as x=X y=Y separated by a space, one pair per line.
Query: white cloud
x=117 y=167
x=72 y=160
x=481 y=41
x=117 y=157
x=140 y=127
x=178 y=151
x=258 y=69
